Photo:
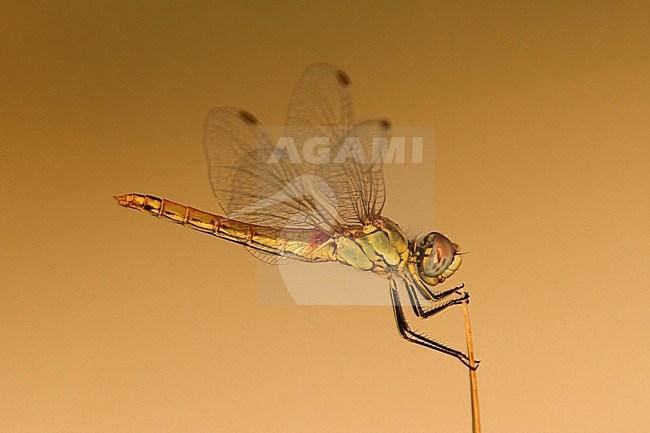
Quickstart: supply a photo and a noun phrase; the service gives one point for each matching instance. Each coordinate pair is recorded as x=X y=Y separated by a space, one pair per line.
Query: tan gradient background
x=113 y=322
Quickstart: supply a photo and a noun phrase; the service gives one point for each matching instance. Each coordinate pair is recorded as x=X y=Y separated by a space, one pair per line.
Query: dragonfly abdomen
x=298 y=244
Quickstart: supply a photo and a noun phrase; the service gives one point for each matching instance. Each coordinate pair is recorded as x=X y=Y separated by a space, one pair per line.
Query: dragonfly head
x=437 y=258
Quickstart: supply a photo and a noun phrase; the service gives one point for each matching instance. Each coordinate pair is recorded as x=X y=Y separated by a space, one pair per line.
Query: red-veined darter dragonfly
x=323 y=208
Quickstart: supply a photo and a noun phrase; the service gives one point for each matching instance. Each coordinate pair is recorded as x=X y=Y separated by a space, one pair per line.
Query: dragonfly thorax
x=380 y=247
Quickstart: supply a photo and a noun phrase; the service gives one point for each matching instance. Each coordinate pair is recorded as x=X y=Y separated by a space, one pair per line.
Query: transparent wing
x=252 y=183
x=346 y=157
x=326 y=173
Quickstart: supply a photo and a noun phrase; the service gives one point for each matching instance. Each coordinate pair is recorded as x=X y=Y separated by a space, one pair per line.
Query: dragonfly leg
x=436 y=296
x=437 y=306
x=442 y=295
x=414 y=337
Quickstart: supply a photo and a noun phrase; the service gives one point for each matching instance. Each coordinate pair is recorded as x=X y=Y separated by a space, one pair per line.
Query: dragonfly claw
x=464 y=295
x=467 y=364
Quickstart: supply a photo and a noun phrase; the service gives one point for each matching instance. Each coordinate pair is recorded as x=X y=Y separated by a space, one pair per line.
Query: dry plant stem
x=473 y=385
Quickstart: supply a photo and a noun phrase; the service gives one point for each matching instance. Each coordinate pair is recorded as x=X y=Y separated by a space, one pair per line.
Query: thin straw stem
x=473 y=384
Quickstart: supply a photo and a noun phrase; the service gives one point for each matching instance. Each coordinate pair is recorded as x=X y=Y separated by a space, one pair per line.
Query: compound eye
x=443 y=247
x=439 y=257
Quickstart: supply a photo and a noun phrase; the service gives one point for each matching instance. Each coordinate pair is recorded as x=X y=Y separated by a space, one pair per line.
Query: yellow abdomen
x=309 y=245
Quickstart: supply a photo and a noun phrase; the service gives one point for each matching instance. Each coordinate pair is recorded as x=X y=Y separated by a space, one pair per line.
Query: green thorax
x=379 y=247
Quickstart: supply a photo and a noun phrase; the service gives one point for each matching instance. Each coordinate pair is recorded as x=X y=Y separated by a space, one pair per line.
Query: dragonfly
x=317 y=196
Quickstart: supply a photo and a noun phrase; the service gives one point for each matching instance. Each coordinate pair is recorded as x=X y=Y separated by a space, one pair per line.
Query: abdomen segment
x=308 y=245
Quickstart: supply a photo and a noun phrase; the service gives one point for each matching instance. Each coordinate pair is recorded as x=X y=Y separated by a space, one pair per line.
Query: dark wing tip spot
x=248 y=117
x=343 y=78
x=385 y=123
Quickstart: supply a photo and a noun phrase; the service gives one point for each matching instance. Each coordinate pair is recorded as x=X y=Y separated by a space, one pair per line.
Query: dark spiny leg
x=409 y=335
x=435 y=296
x=438 y=296
x=437 y=307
